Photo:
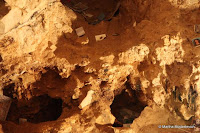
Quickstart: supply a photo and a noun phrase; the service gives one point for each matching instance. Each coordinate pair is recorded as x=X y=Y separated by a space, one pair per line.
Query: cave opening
x=94 y=11
x=3 y=8
x=34 y=110
x=126 y=106
x=9 y=90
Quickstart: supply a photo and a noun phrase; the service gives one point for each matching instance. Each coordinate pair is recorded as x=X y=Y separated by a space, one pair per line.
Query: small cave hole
x=9 y=90
x=126 y=106
x=37 y=109
x=103 y=84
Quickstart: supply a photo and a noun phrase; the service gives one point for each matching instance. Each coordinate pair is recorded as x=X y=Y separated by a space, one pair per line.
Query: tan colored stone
x=87 y=100
x=2 y=27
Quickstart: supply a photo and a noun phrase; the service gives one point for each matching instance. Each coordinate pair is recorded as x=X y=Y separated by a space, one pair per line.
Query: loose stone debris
x=87 y=100
x=82 y=40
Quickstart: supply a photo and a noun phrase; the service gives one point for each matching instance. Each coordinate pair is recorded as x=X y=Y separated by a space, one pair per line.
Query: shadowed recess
x=3 y=8
x=126 y=106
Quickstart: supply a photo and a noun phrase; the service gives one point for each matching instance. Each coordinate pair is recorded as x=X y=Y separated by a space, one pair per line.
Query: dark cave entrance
x=3 y=9
x=94 y=11
x=126 y=106
x=37 y=109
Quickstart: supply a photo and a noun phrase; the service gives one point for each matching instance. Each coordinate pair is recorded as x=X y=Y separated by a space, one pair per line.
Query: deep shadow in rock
x=3 y=9
x=54 y=85
x=41 y=101
x=37 y=109
x=8 y=90
x=94 y=11
x=126 y=106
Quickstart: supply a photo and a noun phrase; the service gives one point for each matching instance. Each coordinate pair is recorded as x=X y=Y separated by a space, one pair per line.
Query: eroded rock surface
x=145 y=73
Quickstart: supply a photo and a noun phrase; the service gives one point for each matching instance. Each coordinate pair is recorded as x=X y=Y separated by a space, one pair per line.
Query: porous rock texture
x=40 y=54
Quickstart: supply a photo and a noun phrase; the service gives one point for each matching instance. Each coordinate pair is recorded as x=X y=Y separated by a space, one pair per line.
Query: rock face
x=145 y=73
